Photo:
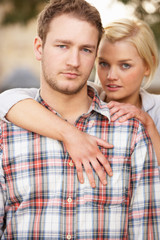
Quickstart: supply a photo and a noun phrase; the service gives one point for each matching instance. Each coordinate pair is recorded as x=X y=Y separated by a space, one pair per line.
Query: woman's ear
x=147 y=70
x=38 y=48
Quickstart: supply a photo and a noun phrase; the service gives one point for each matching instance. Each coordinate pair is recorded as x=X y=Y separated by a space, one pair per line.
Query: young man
x=40 y=195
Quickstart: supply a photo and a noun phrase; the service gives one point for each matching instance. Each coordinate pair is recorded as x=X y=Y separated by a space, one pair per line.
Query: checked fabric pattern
x=41 y=198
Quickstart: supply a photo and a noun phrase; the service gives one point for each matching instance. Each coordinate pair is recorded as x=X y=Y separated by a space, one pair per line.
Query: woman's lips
x=113 y=87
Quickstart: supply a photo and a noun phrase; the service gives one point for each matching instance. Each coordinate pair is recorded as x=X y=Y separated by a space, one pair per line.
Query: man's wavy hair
x=76 y=8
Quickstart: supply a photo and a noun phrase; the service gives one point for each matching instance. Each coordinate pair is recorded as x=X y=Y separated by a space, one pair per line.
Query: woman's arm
x=10 y=97
x=126 y=111
x=28 y=114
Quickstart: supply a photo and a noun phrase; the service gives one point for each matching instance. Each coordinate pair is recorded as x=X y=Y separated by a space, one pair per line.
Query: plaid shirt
x=41 y=198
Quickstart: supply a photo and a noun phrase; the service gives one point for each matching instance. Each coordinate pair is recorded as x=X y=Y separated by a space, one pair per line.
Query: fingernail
x=105 y=182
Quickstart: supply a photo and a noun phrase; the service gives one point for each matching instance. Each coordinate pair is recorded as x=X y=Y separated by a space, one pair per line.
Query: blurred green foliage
x=148 y=11
x=22 y=11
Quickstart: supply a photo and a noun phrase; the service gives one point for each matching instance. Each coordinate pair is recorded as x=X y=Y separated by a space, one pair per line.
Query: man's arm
x=32 y=116
x=144 y=209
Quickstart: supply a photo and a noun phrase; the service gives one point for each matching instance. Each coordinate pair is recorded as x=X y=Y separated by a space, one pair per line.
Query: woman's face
x=121 y=71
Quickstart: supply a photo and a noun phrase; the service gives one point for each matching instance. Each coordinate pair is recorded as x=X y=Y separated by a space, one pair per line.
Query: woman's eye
x=103 y=64
x=126 y=65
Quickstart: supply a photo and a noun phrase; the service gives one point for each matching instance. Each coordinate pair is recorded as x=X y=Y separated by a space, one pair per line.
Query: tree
x=22 y=11
x=148 y=11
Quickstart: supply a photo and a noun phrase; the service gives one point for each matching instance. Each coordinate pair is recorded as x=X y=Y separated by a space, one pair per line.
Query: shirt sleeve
x=144 y=209
x=3 y=192
x=157 y=119
x=11 y=97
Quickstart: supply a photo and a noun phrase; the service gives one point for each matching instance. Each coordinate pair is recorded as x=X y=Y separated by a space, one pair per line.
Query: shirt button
x=69 y=199
x=69 y=236
x=71 y=163
x=91 y=123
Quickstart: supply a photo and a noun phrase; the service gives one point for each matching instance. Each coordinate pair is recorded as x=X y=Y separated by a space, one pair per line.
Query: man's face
x=68 y=54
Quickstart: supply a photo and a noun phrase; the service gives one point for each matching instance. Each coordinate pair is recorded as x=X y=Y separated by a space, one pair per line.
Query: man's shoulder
x=2 y=125
x=132 y=128
x=7 y=129
x=133 y=122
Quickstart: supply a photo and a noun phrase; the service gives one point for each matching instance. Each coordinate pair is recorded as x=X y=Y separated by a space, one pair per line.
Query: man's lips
x=71 y=75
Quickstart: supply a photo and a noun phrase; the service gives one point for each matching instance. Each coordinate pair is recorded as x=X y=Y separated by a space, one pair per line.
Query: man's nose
x=73 y=58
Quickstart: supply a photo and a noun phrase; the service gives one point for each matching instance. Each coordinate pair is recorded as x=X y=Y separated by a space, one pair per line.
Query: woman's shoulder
x=151 y=105
x=149 y=99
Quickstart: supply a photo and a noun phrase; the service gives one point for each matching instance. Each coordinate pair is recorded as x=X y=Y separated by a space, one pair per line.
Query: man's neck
x=70 y=107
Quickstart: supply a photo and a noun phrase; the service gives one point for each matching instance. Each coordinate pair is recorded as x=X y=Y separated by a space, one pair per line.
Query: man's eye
x=61 y=46
x=86 y=50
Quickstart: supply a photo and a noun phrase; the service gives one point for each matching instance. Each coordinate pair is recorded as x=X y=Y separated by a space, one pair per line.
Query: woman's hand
x=125 y=111
x=84 y=151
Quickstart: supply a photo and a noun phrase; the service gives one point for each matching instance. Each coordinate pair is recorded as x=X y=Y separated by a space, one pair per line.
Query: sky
x=111 y=10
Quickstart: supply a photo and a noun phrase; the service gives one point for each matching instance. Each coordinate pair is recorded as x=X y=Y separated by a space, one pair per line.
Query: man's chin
x=70 y=90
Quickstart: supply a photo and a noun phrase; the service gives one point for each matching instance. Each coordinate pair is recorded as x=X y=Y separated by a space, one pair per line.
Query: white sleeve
x=12 y=96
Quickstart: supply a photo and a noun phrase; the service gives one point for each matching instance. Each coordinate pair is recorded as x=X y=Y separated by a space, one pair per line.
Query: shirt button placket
x=71 y=163
x=69 y=236
x=69 y=200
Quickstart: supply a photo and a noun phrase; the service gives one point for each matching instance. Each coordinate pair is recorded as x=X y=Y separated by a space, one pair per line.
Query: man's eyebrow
x=70 y=42
x=89 y=46
x=62 y=41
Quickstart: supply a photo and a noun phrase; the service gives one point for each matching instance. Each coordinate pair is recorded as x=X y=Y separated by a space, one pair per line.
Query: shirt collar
x=97 y=104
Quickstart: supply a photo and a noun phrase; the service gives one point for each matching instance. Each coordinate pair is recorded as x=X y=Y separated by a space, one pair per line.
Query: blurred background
x=18 y=67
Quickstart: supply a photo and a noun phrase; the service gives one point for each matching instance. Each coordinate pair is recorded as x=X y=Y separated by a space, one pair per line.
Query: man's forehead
x=65 y=20
x=67 y=28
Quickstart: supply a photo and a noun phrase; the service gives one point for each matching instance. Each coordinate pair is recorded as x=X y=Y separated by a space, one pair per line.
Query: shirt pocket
x=115 y=192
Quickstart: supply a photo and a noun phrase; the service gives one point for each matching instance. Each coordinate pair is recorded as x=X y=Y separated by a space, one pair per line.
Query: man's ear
x=38 y=48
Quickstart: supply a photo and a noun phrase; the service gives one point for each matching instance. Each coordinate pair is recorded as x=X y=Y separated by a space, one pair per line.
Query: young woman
x=127 y=59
